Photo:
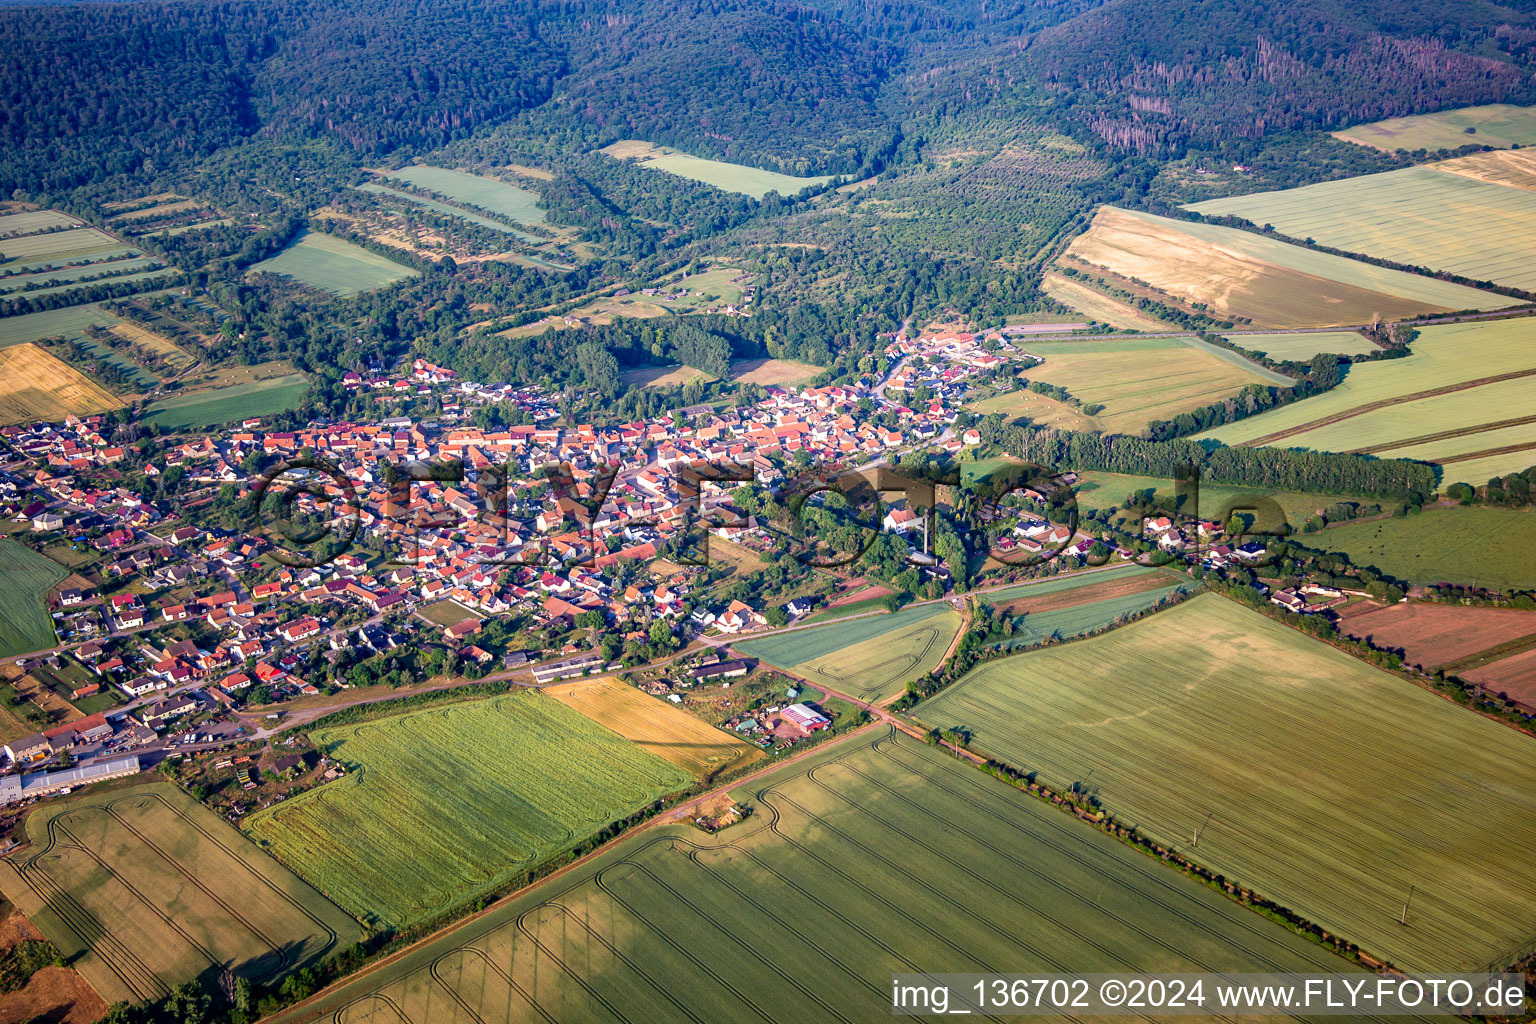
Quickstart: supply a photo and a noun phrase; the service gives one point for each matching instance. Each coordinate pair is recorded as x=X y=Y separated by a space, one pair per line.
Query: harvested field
x=1497 y=124
x=1515 y=677
x=1431 y=635
x=751 y=181
x=176 y=358
x=909 y=860
x=1481 y=547
x=25 y=624
x=1462 y=394
x=772 y=372
x=334 y=265
x=1138 y=380
x=1515 y=168
x=36 y=385
x=1106 y=309
x=1085 y=588
x=1417 y=216
x=1268 y=282
x=870 y=658
x=435 y=813
x=655 y=725
x=144 y=889
x=57 y=995
x=663 y=376
x=1325 y=784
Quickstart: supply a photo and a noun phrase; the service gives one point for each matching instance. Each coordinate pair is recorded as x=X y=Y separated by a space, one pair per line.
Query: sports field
x=442 y=805
x=911 y=862
x=664 y=729
x=499 y=197
x=36 y=385
x=1323 y=783
x=871 y=657
x=1106 y=309
x=1419 y=216
x=333 y=264
x=1462 y=398
x=1139 y=380
x=1483 y=547
x=1302 y=347
x=1272 y=284
x=226 y=405
x=1498 y=124
x=25 y=624
x=144 y=889
x=751 y=181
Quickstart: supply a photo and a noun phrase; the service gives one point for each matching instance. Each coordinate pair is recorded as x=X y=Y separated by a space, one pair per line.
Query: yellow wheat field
x=666 y=731
x=36 y=386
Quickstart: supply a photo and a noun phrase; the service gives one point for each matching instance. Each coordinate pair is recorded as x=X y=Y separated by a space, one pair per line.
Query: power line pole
x=1404 y=919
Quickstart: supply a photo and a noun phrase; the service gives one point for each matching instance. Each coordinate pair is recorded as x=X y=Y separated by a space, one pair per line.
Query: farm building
x=722 y=670
x=22 y=787
x=805 y=718
x=567 y=669
x=28 y=749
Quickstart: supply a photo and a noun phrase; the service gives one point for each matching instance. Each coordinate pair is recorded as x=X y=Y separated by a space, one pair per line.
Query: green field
x=69 y=322
x=228 y=405
x=1486 y=547
x=54 y=279
x=1498 y=124
x=870 y=658
x=1445 y=402
x=144 y=889
x=1077 y=620
x=1096 y=490
x=34 y=220
x=25 y=624
x=1419 y=216
x=750 y=181
x=443 y=805
x=1330 y=786
x=1302 y=347
x=498 y=197
x=448 y=211
x=334 y=265
x=864 y=860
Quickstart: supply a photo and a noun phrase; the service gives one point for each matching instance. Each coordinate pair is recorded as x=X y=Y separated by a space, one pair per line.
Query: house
x=28 y=749
x=805 y=718
x=165 y=710
x=460 y=630
x=47 y=521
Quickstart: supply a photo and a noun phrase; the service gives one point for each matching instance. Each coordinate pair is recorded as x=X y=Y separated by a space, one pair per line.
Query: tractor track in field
x=1384 y=403
x=1446 y=435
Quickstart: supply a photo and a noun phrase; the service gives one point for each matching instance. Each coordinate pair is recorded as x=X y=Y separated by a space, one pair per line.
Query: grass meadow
x=664 y=729
x=1268 y=282
x=213 y=407
x=1498 y=124
x=750 y=181
x=1419 y=216
x=450 y=211
x=25 y=624
x=1139 y=380
x=1323 y=783
x=1096 y=490
x=443 y=805
x=1484 y=547
x=1302 y=347
x=334 y=265
x=871 y=657
x=1462 y=398
x=876 y=856
x=68 y=322
x=144 y=889
x=498 y=197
